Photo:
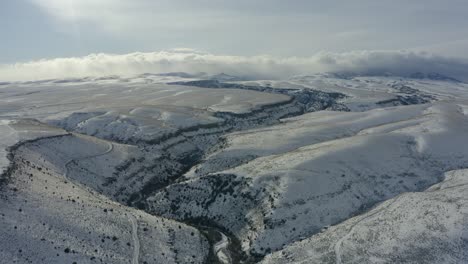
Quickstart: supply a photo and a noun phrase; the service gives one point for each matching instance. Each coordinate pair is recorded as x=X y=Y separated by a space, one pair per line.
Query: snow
x=45 y=214
x=321 y=168
x=381 y=183
x=306 y=130
x=365 y=92
x=15 y=131
x=126 y=110
x=418 y=227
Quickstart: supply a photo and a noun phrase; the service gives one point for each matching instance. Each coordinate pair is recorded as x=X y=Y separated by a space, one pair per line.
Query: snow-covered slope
x=48 y=218
x=371 y=92
x=414 y=227
x=321 y=168
x=127 y=110
x=14 y=131
x=311 y=179
x=63 y=193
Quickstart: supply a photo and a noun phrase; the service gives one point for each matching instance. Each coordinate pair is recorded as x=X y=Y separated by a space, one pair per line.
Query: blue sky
x=35 y=29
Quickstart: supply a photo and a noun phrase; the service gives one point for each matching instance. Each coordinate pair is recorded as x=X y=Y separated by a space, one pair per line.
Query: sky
x=37 y=30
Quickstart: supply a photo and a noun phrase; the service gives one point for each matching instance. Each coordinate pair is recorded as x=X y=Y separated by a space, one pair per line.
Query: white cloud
x=362 y=62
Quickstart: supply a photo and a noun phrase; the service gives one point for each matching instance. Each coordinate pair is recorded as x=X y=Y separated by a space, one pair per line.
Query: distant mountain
x=172 y=74
x=350 y=75
x=433 y=76
x=226 y=77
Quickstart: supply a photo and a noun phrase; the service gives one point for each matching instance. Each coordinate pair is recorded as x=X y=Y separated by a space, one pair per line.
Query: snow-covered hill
x=49 y=217
x=414 y=227
x=318 y=170
x=179 y=168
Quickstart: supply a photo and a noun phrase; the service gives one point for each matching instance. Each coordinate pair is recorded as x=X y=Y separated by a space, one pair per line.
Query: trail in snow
x=136 y=241
x=108 y=150
x=132 y=218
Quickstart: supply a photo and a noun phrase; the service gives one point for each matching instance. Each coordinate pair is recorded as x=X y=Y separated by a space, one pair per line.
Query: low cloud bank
x=400 y=63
